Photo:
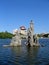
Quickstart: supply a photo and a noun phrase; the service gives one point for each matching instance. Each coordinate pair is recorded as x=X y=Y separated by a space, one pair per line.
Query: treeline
x=46 y=35
x=4 y=35
x=43 y=35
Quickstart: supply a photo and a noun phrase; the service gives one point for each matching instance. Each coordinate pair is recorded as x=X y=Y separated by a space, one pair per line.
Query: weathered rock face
x=16 y=40
x=30 y=35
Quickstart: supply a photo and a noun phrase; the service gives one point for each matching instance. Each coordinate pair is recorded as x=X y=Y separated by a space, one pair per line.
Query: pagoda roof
x=22 y=28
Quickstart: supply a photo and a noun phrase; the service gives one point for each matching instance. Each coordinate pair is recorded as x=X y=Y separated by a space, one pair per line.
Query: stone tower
x=31 y=33
x=31 y=36
x=16 y=40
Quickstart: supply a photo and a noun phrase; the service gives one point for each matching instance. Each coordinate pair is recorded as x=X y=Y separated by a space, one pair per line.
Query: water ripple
x=24 y=55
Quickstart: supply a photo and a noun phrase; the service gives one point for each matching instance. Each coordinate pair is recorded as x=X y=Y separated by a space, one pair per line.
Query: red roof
x=22 y=28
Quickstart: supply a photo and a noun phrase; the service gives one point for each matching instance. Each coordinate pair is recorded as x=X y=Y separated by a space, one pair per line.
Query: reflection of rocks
x=35 y=51
x=31 y=54
x=24 y=54
x=16 y=50
x=42 y=45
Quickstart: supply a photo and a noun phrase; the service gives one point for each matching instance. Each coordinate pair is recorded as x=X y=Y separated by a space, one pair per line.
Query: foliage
x=6 y=34
x=43 y=35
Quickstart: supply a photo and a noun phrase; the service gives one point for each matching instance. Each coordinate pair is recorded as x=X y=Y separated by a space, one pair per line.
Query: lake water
x=24 y=55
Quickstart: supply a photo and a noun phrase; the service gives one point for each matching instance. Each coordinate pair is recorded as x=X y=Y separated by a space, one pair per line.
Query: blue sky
x=14 y=13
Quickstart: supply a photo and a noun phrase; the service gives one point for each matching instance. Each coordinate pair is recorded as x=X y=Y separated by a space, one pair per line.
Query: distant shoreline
x=44 y=38
x=5 y=35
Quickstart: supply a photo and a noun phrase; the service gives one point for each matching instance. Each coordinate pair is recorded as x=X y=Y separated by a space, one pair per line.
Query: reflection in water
x=32 y=55
x=16 y=55
x=23 y=55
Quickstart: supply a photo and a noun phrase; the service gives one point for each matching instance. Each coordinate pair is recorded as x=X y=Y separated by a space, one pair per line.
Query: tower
x=31 y=32
x=16 y=40
x=31 y=26
x=31 y=36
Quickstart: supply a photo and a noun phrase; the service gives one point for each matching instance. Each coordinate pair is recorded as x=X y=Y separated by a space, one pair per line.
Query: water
x=24 y=55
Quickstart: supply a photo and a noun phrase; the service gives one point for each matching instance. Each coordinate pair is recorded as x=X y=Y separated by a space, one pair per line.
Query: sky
x=16 y=13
